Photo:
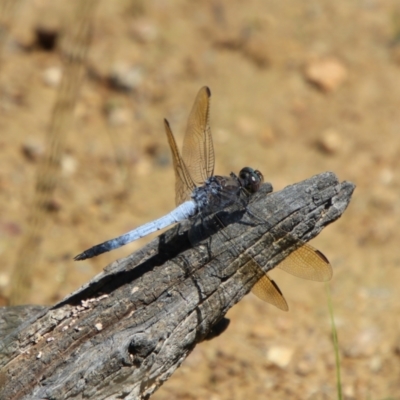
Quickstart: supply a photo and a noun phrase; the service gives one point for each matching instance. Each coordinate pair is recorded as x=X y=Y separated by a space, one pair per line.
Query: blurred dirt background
x=298 y=88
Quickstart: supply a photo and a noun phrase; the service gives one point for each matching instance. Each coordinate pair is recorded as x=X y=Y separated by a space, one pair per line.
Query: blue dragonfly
x=199 y=193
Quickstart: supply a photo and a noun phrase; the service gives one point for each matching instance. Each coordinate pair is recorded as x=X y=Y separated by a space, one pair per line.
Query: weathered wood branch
x=124 y=333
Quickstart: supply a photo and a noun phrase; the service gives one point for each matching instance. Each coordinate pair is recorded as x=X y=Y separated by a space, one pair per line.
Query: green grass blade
x=335 y=344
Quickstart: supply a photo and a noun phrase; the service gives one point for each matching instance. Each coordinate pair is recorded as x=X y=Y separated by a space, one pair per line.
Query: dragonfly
x=198 y=192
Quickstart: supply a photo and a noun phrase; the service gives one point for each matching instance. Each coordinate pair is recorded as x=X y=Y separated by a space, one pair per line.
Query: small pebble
x=386 y=176
x=363 y=344
x=4 y=280
x=349 y=392
x=306 y=365
x=32 y=150
x=256 y=50
x=330 y=142
x=125 y=77
x=280 y=356
x=69 y=165
x=303 y=368
x=327 y=74
x=375 y=364
x=52 y=76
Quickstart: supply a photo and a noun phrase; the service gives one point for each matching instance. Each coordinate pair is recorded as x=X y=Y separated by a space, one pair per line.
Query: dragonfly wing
x=198 y=149
x=267 y=290
x=308 y=263
x=184 y=184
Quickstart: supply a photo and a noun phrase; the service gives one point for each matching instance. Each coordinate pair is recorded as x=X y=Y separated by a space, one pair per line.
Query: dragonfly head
x=251 y=179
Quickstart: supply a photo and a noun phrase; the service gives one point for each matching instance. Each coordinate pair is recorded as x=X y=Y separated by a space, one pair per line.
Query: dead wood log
x=125 y=332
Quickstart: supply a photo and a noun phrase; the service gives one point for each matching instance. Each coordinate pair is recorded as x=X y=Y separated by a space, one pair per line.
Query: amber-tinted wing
x=198 y=149
x=184 y=184
x=308 y=263
x=267 y=290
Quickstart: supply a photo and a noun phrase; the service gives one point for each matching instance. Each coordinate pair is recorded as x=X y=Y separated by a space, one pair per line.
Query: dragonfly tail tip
x=80 y=257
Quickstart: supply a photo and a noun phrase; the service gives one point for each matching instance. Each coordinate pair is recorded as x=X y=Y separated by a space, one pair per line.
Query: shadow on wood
x=124 y=333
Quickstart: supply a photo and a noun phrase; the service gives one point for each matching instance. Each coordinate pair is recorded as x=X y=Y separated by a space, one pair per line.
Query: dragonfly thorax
x=217 y=193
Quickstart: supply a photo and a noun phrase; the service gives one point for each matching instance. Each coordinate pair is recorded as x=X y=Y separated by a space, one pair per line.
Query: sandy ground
x=298 y=88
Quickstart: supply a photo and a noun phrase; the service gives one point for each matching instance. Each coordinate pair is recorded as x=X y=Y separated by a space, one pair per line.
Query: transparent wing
x=267 y=290
x=184 y=184
x=308 y=263
x=198 y=149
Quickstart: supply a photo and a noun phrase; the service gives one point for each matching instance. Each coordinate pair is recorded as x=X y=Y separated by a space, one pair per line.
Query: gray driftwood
x=125 y=332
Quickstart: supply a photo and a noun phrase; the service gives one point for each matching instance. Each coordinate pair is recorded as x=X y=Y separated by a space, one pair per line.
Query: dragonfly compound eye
x=251 y=179
x=260 y=176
